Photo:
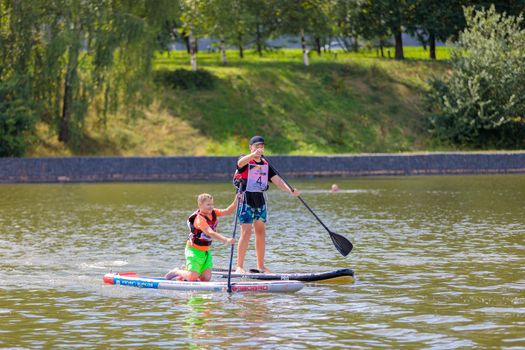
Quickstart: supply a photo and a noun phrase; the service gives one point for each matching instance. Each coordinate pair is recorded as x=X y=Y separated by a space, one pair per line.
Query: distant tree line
x=61 y=57
x=251 y=23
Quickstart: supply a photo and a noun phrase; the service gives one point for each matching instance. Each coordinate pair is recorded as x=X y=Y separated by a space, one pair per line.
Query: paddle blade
x=343 y=245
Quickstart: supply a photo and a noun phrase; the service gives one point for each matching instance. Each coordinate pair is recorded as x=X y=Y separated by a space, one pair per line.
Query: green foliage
x=334 y=106
x=482 y=103
x=350 y=104
x=71 y=53
x=186 y=79
x=16 y=121
x=437 y=20
x=354 y=18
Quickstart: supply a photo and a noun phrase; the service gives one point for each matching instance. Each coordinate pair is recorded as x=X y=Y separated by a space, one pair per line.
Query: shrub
x=482 y=103
x=16 y=121
x=186 y=79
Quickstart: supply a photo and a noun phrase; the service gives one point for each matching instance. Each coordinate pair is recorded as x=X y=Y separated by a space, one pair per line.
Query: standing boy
x=203 y=227
x=254 y=174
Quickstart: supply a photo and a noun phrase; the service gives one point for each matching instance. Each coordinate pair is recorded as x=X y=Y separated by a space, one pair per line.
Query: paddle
x=343 y=245
x=233 y=245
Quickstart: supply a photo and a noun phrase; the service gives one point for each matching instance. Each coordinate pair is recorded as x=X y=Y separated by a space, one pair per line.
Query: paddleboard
x=132 y=279
x=332 y=276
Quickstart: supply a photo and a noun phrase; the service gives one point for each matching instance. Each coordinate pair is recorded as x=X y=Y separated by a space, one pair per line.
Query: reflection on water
x=439 y=263
x=197 y=320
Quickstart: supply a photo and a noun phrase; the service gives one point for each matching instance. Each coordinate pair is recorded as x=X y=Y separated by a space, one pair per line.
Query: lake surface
x=439 y=264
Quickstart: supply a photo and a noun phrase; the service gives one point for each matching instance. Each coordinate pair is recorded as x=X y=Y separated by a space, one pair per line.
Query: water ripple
x=439 y=264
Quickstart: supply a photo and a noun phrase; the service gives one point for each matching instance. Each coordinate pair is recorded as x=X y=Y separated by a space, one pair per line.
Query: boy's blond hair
x=204 y=197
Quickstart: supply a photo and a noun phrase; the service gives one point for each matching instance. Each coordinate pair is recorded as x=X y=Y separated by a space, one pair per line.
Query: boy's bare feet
x=239 y=270
x=175 y=273
x=171 y=275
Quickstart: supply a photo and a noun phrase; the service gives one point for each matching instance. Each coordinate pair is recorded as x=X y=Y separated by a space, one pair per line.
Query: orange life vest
x=198 y=237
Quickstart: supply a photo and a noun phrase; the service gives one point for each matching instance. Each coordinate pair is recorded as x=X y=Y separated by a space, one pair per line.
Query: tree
x=68 y=52
x=298 y=17
x=16 y=119
x=483 y=101
x=220 y=19
x=510 y=7
x=348 y=17
x=394 y=16
x=264 y=21
x=17 y=106
x=437 y=20
x=108 y=45
x=241 y=24
x=321 y=24
x=193 y=24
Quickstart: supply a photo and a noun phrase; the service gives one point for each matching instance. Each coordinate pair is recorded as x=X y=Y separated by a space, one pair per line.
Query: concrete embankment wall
x=121 y=169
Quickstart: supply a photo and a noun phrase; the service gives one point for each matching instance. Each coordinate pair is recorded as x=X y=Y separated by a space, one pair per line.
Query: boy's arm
x=216 y=235
x=232 y=206
x=280 y=183
x=246 y=159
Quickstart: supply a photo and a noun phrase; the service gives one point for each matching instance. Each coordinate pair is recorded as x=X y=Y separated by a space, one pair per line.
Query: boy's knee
x=246 y=230
x=205 y=277
x=193 y=276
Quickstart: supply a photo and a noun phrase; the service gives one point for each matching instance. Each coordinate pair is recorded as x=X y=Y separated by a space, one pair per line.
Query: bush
x=186 y=79
x=16 y=121
x=482 y=103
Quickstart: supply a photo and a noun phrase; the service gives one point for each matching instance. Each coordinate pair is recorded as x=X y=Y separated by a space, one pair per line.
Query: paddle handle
x=233 y=245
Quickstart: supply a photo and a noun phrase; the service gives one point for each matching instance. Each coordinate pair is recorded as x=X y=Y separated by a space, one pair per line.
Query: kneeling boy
x=203 y=228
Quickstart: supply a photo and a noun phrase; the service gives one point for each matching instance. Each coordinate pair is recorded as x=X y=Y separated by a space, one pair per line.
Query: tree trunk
x=432 y=44
x=241 y=50
x=421 y=39
x=305 y=49
x=381 y=47
x=175 y=36
x=186 y=38
x=70 y=83
x=355 y=44
x=193 y=51
x=63 y=131
x=223 y=50
x=318 y=45
x=399 y=45
x=258 y=40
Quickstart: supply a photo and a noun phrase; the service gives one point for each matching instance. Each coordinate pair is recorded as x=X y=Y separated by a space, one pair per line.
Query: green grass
x=341 y=103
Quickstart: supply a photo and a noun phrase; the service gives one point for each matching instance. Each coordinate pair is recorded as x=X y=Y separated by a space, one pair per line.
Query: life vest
x=254 y=178
x=198 y=237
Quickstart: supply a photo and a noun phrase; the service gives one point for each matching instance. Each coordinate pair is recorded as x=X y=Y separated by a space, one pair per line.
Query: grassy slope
x=349 y=103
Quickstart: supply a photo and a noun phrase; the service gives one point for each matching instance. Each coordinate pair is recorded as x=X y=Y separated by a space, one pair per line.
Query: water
x=439 y=263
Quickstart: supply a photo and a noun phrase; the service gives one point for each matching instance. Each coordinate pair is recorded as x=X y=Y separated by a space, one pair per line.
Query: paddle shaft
x=341 y=243
x=233 y=245
x=307 y=207
x=302 y=200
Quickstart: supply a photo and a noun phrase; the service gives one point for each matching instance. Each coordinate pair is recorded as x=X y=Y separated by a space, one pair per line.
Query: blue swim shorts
x=248 y=214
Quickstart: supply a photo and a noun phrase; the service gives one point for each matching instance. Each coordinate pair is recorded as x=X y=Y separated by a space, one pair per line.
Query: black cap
x=256 y=139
